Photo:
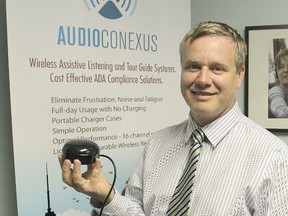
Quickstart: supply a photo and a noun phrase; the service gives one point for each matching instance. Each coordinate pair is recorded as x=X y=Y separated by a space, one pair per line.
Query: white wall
x=235 y=13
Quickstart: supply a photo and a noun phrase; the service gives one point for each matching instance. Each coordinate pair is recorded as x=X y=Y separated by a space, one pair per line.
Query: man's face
x=209 y=78
x=282 y=71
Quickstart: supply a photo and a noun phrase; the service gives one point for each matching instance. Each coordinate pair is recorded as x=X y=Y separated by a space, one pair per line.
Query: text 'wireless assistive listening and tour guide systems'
x=84 y=150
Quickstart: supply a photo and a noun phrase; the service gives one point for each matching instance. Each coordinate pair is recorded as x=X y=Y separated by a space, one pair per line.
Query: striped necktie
x=179 y=203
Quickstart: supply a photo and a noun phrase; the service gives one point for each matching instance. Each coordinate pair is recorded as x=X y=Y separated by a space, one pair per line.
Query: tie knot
x=198 y=135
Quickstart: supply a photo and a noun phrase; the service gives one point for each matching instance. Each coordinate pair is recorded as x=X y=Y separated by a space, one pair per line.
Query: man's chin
x=202 y=109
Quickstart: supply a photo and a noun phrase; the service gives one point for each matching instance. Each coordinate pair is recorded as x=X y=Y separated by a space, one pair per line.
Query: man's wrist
x=98 y=203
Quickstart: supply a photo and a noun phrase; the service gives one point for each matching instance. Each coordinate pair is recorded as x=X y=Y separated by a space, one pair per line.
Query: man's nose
x=204 y=78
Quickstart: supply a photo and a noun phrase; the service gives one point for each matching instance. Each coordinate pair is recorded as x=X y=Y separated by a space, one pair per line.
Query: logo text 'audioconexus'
x=103 y=38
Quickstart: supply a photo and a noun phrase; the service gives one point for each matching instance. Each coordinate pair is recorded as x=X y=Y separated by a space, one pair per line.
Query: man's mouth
x=202 y=93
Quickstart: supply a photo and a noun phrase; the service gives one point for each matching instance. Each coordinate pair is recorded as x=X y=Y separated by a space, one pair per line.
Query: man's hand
x=93 y=182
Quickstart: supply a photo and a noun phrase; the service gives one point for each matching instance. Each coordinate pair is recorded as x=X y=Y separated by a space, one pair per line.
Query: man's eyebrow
x=191 y=62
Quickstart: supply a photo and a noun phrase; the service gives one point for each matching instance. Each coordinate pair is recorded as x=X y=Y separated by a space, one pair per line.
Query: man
x=242 y=168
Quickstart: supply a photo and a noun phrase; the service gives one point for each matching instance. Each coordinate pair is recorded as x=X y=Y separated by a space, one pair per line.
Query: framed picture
x=265 y=96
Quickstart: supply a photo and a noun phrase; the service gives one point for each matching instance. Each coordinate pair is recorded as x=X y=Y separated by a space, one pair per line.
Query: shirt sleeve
x=271 y=195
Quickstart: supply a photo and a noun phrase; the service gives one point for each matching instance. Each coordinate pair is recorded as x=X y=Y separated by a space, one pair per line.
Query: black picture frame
x=263 y=43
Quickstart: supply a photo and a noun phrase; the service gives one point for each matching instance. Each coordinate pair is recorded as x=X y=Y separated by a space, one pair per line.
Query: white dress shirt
x=242 y=170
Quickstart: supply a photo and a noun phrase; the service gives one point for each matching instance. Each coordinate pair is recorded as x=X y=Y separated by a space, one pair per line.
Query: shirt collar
x=218 y=129
x=191 y=126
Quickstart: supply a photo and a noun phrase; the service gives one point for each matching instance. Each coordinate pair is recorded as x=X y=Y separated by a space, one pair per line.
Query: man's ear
x=241 y=75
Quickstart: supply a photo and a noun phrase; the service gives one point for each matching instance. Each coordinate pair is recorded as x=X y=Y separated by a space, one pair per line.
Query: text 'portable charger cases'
x=84 y=150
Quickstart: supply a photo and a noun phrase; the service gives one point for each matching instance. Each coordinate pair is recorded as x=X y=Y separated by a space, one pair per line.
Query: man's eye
x=218 y=69
x=193 y=67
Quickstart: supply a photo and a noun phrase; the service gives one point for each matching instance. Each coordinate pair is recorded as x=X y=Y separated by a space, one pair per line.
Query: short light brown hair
x=217 y=29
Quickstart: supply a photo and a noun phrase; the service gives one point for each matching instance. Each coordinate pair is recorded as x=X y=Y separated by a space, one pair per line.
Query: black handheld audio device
x=84 y=150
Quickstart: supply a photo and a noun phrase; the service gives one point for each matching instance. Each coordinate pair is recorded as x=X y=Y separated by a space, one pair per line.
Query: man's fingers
x=76 y=174
x=73 y=176
x=98 y=163
x=60 y=159
x=67 y=172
